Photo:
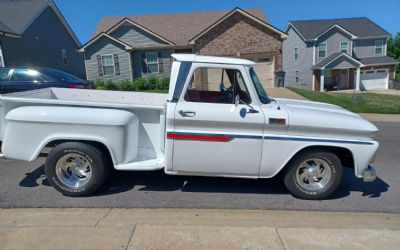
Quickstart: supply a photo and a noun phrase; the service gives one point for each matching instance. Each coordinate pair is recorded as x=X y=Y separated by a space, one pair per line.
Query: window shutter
x=144 y=63
x=160 y=63
x=99 y=65
x=116 y=64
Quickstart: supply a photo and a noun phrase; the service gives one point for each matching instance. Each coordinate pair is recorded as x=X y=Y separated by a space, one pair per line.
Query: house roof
x=379 y=60
x=333 y=57
x=18 y=15
x=178 y=28
x=361 y=27
x=6 y=31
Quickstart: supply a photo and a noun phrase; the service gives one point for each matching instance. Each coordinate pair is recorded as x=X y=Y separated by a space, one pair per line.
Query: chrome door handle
x=187 y=113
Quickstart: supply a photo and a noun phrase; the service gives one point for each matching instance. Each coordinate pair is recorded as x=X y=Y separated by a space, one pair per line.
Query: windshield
x=262 y=94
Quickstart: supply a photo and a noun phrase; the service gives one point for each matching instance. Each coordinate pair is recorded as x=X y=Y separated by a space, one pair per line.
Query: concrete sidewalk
x=195 y=229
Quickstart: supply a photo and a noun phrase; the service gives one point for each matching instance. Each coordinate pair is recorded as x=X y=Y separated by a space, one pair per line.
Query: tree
x=393 y=47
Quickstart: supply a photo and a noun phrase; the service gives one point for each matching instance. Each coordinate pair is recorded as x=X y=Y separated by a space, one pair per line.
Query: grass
x=356 y=102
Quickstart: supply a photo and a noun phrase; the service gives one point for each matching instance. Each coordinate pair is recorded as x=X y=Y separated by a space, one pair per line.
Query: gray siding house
x=34 y=33
x=129 y=47
x=335 y=54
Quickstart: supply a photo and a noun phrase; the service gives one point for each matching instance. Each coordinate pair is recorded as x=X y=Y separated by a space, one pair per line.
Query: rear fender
x=29 y=129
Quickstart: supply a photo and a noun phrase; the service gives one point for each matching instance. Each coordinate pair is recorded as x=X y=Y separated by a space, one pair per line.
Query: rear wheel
x=313 y=174
x=76 y=169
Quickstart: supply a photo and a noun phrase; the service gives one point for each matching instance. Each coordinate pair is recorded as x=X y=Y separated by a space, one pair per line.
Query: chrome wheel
x=313 y=174
x=73 y=170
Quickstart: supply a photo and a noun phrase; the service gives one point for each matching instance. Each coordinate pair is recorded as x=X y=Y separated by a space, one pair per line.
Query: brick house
x=128 y=47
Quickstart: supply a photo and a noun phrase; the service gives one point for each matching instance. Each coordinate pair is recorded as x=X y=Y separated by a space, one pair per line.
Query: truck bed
x=88 y=97
x=148 y=107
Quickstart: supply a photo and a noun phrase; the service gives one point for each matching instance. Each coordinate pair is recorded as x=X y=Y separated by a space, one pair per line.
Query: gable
x=341 y=63
x=238 y=33
x=104 y=45
x=134 y=35
x=244 y=16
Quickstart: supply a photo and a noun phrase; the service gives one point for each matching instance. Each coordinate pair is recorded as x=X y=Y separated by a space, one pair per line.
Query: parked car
x=23 y=79
x=216 y=120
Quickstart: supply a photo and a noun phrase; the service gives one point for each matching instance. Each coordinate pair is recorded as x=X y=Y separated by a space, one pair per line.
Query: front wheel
x=76 y=169
x=313 y=175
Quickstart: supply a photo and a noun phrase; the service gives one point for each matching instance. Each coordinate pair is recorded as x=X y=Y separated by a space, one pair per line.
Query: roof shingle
x=177 y=27
x=359 y=26
x=17 y=14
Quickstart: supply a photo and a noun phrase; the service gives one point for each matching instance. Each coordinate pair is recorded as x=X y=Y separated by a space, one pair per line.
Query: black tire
x=99 y=166
x=294 y=167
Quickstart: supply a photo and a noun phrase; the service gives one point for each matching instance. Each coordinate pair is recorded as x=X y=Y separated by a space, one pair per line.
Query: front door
x=212 y=135
x=344 y=79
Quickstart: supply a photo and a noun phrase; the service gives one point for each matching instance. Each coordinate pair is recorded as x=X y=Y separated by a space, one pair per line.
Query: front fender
x=29 y=129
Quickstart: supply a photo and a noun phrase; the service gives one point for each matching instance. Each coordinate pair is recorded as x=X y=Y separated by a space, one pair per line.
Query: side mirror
x=237 y=100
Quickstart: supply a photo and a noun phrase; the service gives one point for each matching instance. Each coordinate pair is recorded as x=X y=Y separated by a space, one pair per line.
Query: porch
x=340 y=71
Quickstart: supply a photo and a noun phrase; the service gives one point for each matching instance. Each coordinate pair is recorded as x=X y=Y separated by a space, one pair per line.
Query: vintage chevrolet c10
x=216 y=120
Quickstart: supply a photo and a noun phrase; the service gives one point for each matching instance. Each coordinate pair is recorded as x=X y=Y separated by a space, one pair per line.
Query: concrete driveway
x=284 y=93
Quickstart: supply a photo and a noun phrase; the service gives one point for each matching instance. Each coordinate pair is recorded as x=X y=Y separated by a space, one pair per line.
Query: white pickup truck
x=216 y=120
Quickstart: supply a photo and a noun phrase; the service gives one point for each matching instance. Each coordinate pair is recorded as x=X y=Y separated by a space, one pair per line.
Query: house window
x=344 y=47
x=322 y=50
x=378 y=47
x=108 y=65
x=297 y=76
x=152 y=62
x=64 y=56
x=296 y=53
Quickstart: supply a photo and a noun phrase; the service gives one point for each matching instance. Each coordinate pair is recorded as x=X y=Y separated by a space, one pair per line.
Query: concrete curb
x=195 y=229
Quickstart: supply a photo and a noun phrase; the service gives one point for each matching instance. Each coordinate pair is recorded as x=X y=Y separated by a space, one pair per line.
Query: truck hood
x=315 y=117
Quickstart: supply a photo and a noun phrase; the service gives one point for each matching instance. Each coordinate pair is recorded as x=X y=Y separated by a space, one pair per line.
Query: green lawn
x=356 y=102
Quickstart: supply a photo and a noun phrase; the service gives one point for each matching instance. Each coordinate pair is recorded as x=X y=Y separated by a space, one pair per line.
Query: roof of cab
x=211 y=59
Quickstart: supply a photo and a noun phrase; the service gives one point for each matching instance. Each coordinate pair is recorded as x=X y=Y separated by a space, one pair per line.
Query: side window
x=26 y=75
x=216 y=85
x=3 y=74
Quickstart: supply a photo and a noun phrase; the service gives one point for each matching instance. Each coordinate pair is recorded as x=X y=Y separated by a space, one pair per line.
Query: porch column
x=2 y=64
x=321 y=80
x=358 y=79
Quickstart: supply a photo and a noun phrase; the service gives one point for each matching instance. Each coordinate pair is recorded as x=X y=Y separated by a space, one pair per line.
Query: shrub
x=99 y=84
x=153 y=82
x=164 y=83
x=141 y=84
x=126 y=85
x=110 y=85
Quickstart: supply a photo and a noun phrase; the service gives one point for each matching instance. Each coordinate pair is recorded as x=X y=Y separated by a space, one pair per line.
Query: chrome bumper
x=369 y=174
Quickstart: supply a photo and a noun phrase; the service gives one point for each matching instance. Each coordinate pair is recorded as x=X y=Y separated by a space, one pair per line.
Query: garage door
x=265 y=71
x=374 y=79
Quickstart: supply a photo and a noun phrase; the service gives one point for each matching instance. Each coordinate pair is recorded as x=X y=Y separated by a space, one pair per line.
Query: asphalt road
x=24 y=185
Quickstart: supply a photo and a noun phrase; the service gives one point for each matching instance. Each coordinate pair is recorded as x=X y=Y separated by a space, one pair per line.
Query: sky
x=83 y=15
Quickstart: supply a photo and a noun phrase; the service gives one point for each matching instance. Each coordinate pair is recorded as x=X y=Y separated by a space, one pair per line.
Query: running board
x=148 y=165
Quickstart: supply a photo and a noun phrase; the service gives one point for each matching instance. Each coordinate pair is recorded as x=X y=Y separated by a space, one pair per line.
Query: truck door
x=213 y=134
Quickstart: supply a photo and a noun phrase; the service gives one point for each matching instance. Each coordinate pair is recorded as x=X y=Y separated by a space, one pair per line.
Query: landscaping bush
x=126 y=85
x=141 y=84
x=110 y=85
x=164 y=83
x=153 y=82
x=99 y=84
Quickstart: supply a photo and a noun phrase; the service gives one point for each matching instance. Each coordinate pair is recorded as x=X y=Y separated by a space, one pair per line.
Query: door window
x=216 y=85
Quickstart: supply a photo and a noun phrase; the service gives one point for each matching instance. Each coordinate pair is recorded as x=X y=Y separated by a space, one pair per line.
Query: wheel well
x=100 y=146
x=345 y=155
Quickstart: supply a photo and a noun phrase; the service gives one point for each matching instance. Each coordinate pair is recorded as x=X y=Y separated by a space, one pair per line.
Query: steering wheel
x=226 y=94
